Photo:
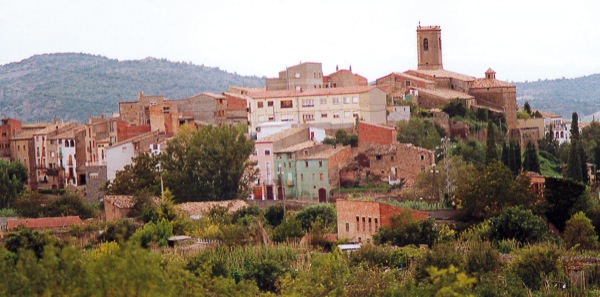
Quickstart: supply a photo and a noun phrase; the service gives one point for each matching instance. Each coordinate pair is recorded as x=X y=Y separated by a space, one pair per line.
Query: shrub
x=320 y=212
x=69 y=204
x=580 y=231
x=440 y=256
x=518 y=223
x=289 y=229
x=536 y=263
x=482 y=258
x=274 y=215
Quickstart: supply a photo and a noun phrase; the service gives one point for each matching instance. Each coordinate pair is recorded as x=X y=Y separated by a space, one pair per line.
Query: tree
x=562 y=198
x=535 y=263
x=491 y=151
x=13 y=176
x=487 y=193
x=405 y=230
x=519 y=224
x=455 y=108
x=527 y=108
x=549 y=143
x=531 y=161
x=210 y=163
x=580 y=231
x=141 y=176
x=69 y=204
x=511 y=156
x=574 y=168
x=420 y=132
x=320 y=212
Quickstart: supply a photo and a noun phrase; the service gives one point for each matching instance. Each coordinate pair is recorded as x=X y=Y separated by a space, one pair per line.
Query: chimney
x=337 y=68
x=350 y=68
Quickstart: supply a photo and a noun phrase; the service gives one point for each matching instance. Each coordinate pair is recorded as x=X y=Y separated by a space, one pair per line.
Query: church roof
x=482 y=83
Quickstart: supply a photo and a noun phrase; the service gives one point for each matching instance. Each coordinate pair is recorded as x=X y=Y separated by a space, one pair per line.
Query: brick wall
x=369 y=133
x=125 y=132
x=353 y=219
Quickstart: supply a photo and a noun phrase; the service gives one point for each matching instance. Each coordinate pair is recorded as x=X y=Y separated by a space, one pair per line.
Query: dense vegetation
x=73 y=86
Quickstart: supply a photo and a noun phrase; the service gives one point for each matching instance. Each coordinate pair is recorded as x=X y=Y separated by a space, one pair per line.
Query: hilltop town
x=422 y=181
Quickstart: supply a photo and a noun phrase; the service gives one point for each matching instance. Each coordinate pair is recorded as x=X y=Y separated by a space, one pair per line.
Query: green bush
x=482 y=258
x=288 y=229
x=519 y=224
x=274 y=215
x=69 y=204
x=536 y=263
x=440 y=256
x=319 y=212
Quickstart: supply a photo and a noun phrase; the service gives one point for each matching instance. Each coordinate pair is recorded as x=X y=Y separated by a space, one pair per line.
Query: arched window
x=425 y=44
x=72 y=143
x=70 y=160
x=562 y=135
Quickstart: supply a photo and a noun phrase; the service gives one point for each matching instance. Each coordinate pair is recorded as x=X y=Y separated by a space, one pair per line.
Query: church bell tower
x=429 y=45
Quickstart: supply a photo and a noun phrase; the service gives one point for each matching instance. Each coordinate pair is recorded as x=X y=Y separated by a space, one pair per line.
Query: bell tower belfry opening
x=429 y=45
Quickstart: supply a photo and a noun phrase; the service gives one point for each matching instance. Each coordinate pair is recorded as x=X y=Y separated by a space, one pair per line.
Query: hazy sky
x=520 y=39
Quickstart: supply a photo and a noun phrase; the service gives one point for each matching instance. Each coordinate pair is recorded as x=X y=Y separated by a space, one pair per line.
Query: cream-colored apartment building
x=331 y=108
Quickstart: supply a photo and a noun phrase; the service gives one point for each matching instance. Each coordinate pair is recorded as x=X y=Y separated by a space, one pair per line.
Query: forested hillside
x=562 y=96
x=73 y=86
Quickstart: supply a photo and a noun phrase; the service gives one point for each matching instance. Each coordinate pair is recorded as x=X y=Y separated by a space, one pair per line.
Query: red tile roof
x=482 y=83
x=41 y=223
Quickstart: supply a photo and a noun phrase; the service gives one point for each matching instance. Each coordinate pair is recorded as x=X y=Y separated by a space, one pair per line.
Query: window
x=324 y=115
x=355 y=99
x=336 y=100
x=308 y=117
x=425 y=44
x=370 y=225
x=289 y=155
x=364 y=221
x=321 y=176
x=52 y=154
x=378 y=157
x=286 y=104
x=320 y=163
x=323 y=101
x=270 y=103
x=376 y=225
x=336 y=115
x=347 y=227
x=305 y=163
x=357 y=224
x=259 y=104
x=3 y=134
x=166 y=109
x=422 y=157
x=308 y=102
x=297 y=75
x=267 y=152
x=346 y=100
x=287 y=117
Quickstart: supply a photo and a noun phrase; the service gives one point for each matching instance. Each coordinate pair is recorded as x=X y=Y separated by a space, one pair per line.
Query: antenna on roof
x=419 y=24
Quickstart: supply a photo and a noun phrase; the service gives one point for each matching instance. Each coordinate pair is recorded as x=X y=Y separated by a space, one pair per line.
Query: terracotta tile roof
x=200 y=208
x=441 y=73
x=52 y=128
x=297 y=147
x=138 y=138
x=445 y=93
x=412 y=77
x=310 y=92
x=483 y=83
x=280 y=135
x=70 y=133
x=323 y=154
x=52 y=222
x=548 y=114
x=382 y=149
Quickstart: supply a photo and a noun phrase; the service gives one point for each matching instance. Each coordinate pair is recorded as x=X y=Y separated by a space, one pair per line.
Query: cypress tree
x=574 y=165
x=531 y=162
x=491 y=152
x=516 y=150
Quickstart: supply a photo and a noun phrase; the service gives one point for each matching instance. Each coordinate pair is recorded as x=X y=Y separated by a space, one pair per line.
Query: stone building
x=8 y=129
x=358 y=221
x=392 y=164
x=431 y=86
x=23 y=150
x=304 y=76
x=344 y=78
x=95 y=180
x=237 y=111
x=137 y=113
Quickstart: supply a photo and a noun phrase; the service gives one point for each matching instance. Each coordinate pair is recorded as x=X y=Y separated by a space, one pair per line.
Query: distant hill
x=72 y=86
x=563 y=96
